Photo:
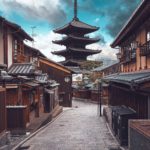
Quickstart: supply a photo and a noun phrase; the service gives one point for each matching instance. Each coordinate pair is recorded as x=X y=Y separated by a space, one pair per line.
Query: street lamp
x=99 y=82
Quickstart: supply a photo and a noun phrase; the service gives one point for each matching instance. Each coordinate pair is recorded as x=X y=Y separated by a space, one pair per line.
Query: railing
x=145 y=49
x=128 y=56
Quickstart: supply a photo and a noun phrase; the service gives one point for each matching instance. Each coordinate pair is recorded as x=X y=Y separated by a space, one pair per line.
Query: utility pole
x=33 y=35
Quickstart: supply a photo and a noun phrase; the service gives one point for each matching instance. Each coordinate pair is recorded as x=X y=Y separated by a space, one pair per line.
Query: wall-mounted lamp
x=118 y=55
x=67 y=79
x=134 y=44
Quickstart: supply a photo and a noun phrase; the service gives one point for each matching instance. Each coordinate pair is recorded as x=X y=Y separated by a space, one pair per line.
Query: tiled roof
x=32 y=84
x=85 y=51
x=142 y=11
x=76 y=24
x=71 y=37
x=3 y=66
x=22 y=69
x=104 y=67
x=43 y=78
x=129 y=78
x=78 y=70
x=18 y=28
x=34 y=50
x=72 y=61
x=4 y=76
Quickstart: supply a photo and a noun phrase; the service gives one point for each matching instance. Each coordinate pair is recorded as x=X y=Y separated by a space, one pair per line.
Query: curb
x=85 y=100
x=36 y=132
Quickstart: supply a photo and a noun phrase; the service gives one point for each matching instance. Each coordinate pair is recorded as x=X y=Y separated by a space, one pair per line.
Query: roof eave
x=120 y=35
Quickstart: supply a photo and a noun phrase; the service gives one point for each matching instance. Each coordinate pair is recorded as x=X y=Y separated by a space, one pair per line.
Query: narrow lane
x=78 y=128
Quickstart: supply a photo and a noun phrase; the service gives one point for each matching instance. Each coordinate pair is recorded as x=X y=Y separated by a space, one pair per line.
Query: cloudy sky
x=46 y=15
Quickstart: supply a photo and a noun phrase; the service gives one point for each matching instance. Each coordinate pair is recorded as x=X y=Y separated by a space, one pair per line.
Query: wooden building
x=105 y=70
x=11 y=42
x=55 y=71
x=60 y=74
x=2 y=104
x=132 y=86
x=76 y=41
x=4 y=77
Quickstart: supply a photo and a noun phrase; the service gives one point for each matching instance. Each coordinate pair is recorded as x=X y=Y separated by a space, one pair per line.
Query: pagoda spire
x=75 y=10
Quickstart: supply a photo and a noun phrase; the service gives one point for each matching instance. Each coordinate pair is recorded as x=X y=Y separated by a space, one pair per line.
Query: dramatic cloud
x=43 y=42
x=119 y=14
x=45 y=10
x=106 y=54
x=107 y=14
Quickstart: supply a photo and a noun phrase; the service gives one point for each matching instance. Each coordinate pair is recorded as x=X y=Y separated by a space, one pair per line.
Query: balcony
x=19 y=58
x=145 y=49
x=128 y=56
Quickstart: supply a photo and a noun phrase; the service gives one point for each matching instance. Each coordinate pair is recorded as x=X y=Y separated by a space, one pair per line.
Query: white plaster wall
x=1 y=46
x=10 y=49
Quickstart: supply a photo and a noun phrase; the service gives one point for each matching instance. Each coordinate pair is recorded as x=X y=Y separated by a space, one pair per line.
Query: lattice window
x=18 y=48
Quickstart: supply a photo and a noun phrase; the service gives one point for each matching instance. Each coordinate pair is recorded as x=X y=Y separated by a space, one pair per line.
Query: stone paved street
x=78 y=128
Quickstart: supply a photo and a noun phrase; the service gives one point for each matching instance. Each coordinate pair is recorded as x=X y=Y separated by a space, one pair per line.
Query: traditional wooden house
x=60 y=74
x=55 y=71
x=12 y=51
x=11 y=42
x=2 y=103
x=3 y=114
x=97 y=75
x=106 y=70
x=132 y=86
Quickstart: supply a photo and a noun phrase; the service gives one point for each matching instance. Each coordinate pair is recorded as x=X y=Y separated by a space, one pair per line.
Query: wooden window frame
x=18 y=48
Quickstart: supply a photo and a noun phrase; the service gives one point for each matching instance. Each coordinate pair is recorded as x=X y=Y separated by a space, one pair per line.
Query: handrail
x=145 y=49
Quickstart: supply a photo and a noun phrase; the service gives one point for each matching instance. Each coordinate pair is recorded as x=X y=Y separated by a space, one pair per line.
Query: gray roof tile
x=21 y=69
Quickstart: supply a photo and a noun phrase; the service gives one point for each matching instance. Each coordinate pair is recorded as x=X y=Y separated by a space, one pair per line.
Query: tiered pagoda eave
x=76 y=41
x=76 y=25
x=86 y=52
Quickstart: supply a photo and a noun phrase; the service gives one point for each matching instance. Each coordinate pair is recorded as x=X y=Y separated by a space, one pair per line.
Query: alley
x=78 y=128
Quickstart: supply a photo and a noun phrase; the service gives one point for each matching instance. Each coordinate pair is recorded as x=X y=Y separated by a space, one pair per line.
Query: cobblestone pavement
x=78 y=128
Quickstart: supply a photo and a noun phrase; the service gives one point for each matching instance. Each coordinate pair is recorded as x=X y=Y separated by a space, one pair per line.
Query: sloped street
x=78 y=128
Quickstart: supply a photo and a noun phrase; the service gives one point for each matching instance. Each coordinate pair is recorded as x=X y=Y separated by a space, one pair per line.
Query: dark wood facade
x=131 y=87
x=105 y=70
x=2 y=110
x=121 y=95
x=59 y=73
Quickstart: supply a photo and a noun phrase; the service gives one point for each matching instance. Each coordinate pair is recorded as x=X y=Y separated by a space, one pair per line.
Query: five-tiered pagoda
x=76 y=41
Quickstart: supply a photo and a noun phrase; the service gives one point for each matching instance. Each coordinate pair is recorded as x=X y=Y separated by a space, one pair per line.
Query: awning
x=54 y=84
x=17 y=106
x=49 y=91
x=129 y=78
x=31 y=84
x=10 y=86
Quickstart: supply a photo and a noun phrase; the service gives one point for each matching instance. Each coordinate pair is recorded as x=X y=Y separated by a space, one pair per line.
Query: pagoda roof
x=77 y=50
x=71 y=62
x=85 y=40
x=76 y=24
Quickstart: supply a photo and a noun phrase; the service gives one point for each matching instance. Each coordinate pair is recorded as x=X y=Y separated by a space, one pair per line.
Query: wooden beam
x=51 y=64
